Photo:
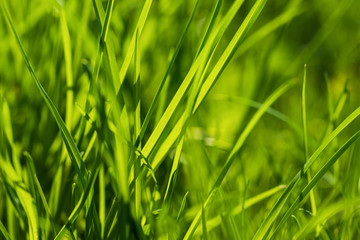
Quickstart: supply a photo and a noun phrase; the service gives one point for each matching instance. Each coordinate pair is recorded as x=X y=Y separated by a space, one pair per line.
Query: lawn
x=192 y=119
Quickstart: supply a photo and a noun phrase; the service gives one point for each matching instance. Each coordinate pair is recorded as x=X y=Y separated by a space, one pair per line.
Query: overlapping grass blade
x=68 y=69
x=84 y=196
x=68 y=140
x=129 y=54
x=4 y=232
x=216 y=221
x=163 y=80
x=324 y=216
x=14 y=181
x=270 y=219
x=316 y=178
x=203 y=222
x=202 y=60
x=182 y=207
x=230 y=50
x=37 y=191
x=239 y=143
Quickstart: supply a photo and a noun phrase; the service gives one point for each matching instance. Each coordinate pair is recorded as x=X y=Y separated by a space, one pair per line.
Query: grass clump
x=181 y=120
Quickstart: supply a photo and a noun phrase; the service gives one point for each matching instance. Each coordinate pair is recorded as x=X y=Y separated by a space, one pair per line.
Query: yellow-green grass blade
x=68 y=69
x=316 y=178
x=202 y=60
x=139 y=27
x=170 y=140
x=230 y=50
x=210 y=80
x=84 y=196
x=254 y=104
x=102 y=199
x=270 y=219
x=211 y=25
x=203 y=222
x=325 y=215
x=7 y=129
x=4 y=232
x=269 y=28
x=10 y=176
x=38 y=191
x=239 y=143
x=216 y=221
x=68 y=139
x=182 y=207
x=174 y=169
x=305 y=136
x=163 y=80
x=137 y=127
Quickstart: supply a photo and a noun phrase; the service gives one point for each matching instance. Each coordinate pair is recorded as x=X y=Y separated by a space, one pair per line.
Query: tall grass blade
x=270 y=219
x=68 y=140
x=250 y=126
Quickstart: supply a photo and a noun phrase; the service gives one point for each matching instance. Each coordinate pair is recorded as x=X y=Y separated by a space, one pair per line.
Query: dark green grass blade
x=270 y=219
x=4 y=232
x=241 y=140
x=84 y=196
x=315 y=180
x=163 y=80
x=68 y=140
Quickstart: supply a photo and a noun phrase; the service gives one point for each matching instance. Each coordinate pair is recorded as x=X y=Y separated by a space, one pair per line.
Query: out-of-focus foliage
x=139 y=186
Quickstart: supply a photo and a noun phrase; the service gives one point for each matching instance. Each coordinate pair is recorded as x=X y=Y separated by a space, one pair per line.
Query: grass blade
x=315 y=180
x=68 y=140
x=270 y=219
x=237 y=148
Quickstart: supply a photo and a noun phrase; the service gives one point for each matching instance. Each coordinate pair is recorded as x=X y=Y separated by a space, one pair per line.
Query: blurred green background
x=323 y=34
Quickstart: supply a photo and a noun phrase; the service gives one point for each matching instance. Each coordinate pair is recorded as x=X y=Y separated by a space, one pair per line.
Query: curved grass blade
x=163 y=81
x=216 y=221
x=250 y=126
x=39 y=191
x=84 y=196
x=211 y=25
x=324 y=216
x=271 y=111
x=26 y=200
x=270 y=219
x=230 y=50
x=202 y=60
x=203 y=222
x=68 y=69
x=305 y=136
x=68 y=139
x=315 y=180
x=213 y=76
x=139 y=27
x=182 y=207
x=4 y=232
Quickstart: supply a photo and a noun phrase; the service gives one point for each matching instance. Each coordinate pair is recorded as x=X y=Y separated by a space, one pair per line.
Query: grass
x=183 y=120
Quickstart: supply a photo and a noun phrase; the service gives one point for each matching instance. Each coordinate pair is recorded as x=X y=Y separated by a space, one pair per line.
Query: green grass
x=179 y=119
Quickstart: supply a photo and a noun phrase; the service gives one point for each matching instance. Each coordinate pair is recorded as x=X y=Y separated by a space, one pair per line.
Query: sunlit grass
x=179 y=120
